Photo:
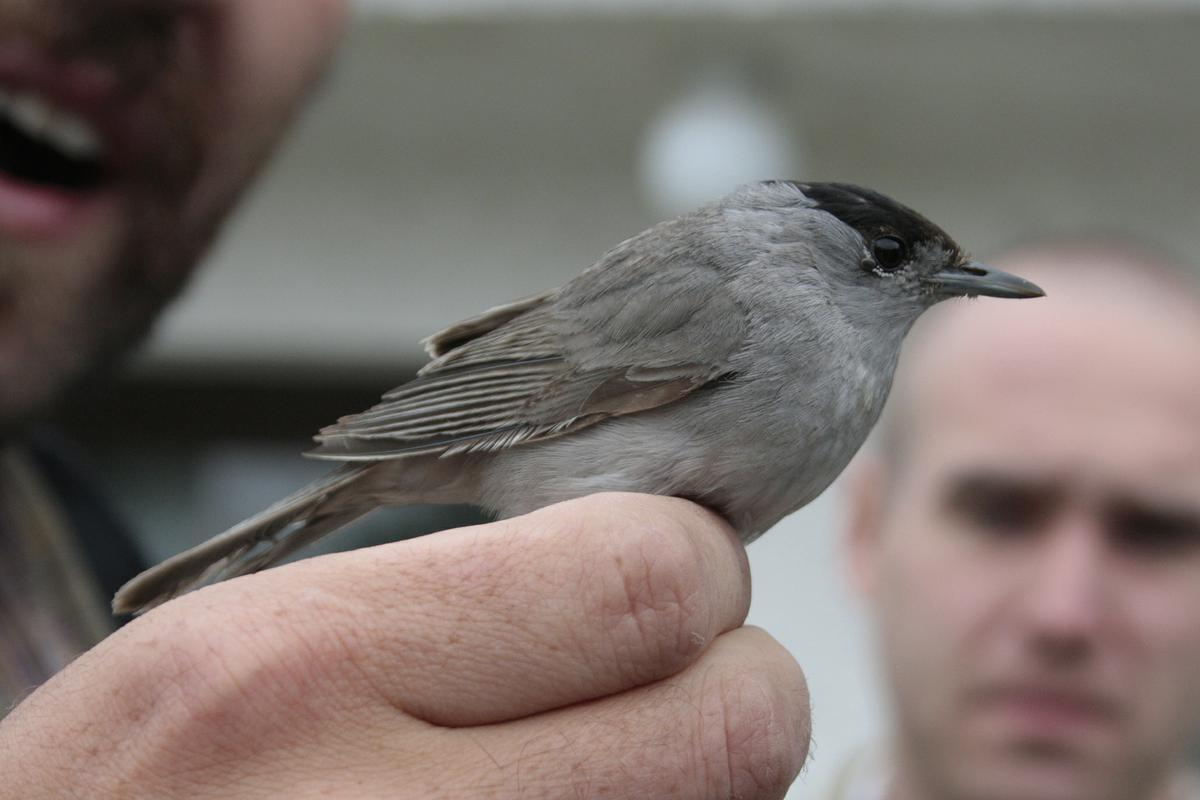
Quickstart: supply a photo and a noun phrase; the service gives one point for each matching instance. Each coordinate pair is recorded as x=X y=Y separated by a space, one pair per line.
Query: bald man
x=1027 y=539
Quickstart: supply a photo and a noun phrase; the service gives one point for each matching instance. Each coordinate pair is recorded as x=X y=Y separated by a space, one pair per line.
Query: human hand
x=593 y=648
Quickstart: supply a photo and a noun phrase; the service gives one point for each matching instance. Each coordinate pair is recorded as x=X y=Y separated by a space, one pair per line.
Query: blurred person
x=128 y=128
x=548 y=655
x=1027 y=538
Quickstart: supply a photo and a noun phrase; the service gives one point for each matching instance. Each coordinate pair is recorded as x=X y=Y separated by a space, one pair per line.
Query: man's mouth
x=1053 y=711
x=60 y=128
x=102 y=111
x=45 y=145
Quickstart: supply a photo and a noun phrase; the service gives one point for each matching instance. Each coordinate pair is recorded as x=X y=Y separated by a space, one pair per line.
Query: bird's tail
x=257 y=543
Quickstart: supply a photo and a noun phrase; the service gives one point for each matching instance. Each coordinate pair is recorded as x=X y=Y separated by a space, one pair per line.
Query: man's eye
x=1000 y=509
x=1153 y=531
x=1002 y=514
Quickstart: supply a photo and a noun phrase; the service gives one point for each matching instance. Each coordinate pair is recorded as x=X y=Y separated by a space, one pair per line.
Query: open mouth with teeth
x=47 y=146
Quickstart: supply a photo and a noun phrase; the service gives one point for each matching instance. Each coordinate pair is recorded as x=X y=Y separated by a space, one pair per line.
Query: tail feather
x=251 y=545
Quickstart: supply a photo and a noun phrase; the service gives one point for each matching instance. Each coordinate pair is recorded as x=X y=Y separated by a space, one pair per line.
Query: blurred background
x=468 y=152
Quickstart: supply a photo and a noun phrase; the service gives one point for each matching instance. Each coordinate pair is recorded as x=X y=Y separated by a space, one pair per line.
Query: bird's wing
x=617 y=340
x=470 y=328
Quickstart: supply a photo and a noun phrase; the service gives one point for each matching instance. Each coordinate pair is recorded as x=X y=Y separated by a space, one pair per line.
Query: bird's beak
x=974 y=278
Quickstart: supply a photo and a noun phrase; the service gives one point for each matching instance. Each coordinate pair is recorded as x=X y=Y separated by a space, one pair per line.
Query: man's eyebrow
x=1176 y=509
x=1153 y=525
x=992 y=475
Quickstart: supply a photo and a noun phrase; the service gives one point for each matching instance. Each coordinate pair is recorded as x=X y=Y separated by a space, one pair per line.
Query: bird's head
x=902 y=249
x=877 y=255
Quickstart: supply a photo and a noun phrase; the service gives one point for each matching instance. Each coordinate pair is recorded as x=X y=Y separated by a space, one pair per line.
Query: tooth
x=73 y=136
x=40 y=119
x=30 y=112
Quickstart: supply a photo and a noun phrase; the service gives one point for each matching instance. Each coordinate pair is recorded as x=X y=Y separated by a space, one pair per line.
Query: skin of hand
x=592 y=648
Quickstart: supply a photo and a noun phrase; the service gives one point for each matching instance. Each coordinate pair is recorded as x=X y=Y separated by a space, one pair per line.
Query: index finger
x=495 y=622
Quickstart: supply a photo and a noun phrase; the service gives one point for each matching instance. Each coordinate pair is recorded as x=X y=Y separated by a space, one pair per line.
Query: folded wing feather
x=618 y=340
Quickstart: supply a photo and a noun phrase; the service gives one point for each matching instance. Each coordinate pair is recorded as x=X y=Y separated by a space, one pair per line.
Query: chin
x=41 y=367
x=1039 y=785
x=31 y=390
x=1035 y=771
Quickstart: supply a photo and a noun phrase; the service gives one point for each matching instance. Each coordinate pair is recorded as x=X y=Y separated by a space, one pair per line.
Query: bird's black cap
x=873 y=214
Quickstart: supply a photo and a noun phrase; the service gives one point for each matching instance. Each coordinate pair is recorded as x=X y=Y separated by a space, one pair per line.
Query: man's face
x=127 y=130
x=1032 y=557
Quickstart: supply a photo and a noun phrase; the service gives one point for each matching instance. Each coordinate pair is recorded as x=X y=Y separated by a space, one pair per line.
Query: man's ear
x=864 y=516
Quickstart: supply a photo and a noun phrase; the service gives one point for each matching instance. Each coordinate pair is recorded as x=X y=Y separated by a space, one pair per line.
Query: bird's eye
x=889 y=252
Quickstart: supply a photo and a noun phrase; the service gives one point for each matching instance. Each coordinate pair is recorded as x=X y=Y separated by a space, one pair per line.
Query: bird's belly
x=754 y=462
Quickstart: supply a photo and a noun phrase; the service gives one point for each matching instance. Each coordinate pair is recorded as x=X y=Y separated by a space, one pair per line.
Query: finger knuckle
x=764 y=733
x=653 y=601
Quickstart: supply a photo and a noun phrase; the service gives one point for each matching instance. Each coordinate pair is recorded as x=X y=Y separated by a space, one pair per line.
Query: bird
x=737 y=356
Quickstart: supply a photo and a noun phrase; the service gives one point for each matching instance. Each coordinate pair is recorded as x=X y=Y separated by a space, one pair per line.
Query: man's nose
x=1064 y=600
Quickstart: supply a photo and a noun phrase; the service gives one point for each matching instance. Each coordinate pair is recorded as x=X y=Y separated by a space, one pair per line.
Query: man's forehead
x=1104 y=333
x=1092 y=303
x=1107 y=360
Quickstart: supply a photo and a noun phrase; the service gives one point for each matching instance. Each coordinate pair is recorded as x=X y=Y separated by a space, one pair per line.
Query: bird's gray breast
x=781 y=436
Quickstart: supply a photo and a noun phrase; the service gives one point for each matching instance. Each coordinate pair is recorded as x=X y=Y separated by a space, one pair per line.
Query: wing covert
x=621 y=338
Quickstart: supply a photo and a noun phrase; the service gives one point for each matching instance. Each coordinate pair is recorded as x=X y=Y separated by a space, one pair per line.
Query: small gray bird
x=737 y=356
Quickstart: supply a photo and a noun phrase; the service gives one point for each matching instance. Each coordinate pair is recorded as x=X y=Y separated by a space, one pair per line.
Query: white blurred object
x=719 y=134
